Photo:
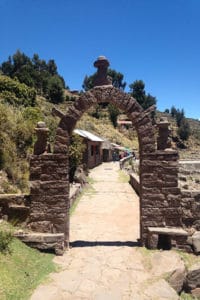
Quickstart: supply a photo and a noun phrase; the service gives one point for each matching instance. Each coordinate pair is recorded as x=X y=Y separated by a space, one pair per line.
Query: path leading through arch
x=103 y=262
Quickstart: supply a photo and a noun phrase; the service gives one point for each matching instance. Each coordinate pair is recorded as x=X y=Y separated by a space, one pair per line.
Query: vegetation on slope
x=36 y=73
x=185 y=132
x=22 y=269
x=21 y=109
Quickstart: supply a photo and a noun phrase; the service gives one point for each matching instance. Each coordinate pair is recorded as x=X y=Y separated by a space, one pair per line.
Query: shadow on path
x=80 y=244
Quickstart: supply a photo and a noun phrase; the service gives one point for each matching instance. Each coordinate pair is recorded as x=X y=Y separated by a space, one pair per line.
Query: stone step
x=18 y=207
x=43 y=241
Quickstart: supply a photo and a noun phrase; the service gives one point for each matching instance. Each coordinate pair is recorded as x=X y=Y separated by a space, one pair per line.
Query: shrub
x=6 y=238
x=184 y=130
x=16 y=93
x=55 y=90
x=76 y=150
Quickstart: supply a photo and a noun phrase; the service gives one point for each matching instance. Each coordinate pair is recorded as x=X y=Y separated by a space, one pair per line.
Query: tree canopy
x=117 y=80
x=137 y=91
x=16 y=93
x=36 y=73
x=183 y=125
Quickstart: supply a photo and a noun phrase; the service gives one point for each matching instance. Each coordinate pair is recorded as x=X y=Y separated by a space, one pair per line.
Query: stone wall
x=160 y=196
x=94 y=154
x=49 y=193
x=14 y=207
x=190 y=205
x=189 y=166
x=159 y=192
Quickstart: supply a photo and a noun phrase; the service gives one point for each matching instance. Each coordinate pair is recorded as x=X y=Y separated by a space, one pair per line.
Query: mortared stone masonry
x=49 y=172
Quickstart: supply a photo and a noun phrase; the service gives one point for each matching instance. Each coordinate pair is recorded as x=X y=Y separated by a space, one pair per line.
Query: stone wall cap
x=41 y=124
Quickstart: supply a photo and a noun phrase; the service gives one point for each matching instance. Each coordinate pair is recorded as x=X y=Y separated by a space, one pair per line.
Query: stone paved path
x=103 y=262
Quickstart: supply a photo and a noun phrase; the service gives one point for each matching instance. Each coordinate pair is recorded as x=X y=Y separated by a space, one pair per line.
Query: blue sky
x=157 y=41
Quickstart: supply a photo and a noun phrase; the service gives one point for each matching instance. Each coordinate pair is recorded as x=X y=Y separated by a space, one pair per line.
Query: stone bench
x=166 y=238
x=43 y=241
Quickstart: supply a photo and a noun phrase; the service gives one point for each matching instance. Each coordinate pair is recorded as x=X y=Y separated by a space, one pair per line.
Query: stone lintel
x=168 y=231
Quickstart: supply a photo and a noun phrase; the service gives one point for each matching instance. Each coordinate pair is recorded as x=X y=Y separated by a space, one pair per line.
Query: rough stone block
x=196 y=242
x=152 y=242
x=193 y=277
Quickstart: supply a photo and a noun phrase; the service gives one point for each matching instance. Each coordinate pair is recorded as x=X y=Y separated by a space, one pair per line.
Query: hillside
x=192 y=145
x=17 y=136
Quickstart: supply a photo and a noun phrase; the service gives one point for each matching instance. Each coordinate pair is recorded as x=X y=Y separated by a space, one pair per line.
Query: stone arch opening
x=159 y=193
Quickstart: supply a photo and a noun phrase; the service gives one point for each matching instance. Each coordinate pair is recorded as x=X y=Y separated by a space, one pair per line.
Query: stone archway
x=159 y=193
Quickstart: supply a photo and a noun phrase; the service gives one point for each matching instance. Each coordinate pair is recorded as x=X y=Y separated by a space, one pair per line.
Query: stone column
x=102 y=65
x=42 y=134
x=163 y=140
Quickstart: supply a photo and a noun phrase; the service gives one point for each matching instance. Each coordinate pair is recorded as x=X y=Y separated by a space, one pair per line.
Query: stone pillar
x=163 y=140
x=49 y=193
x=42 y=134
x=160 y=195
x=49 y=186
x=102 y=65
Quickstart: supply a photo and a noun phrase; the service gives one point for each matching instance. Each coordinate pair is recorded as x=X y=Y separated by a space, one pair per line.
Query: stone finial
x=163 y=140
x=42 y=134
x=102 y=65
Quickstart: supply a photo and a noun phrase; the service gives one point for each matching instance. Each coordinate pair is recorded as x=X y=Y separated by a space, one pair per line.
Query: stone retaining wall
x=14 y=207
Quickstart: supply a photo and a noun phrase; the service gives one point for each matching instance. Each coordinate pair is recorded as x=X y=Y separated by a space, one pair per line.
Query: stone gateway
x=49 y=172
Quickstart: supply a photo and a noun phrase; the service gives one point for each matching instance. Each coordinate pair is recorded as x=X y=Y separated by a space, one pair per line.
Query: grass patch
x=123 y=177
x=146 y=257
x=22 y=270
x=185 y=296
x=188 y=258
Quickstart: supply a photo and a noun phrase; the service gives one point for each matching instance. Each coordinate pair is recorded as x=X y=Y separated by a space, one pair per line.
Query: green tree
x=117 y=80
x=88 y=82
x=179 y=116
x=137 y=91
x=184 y=129
x=7 y=67
x=19 y=60
x=33 y=72
x=55 y=90
x=113 y=112
x=16 y=93
x=173 y=111
x=52 y=68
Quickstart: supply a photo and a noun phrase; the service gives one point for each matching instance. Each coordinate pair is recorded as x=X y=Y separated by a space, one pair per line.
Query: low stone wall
x=189 y=206
x=124 y=160
x=189 y=166
x=75 y=190
x=16 y=206
x=135 y=182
